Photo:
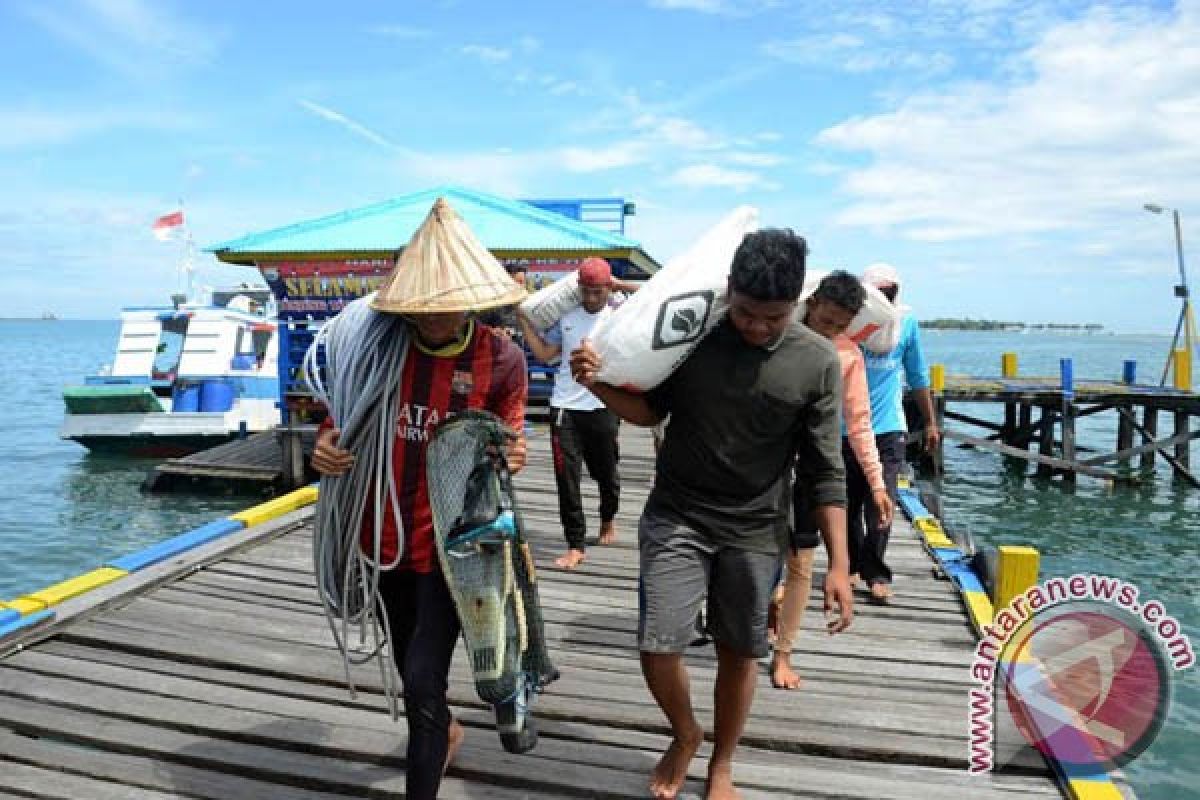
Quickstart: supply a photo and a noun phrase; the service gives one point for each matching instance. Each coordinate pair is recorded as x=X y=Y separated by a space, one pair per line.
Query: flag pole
x=188 y=254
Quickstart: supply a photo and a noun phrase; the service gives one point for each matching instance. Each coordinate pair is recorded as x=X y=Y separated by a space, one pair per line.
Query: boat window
x=169 y=350
x=262 y=339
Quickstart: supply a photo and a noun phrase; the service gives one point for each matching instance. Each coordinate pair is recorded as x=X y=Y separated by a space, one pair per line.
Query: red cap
x=595 y=272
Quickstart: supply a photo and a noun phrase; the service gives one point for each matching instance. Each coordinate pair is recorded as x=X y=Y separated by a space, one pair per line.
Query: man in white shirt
x=582 y=430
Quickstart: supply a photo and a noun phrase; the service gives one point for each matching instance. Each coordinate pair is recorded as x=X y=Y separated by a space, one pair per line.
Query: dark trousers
x=868 y=539
x=424 y=627
x=578 y=438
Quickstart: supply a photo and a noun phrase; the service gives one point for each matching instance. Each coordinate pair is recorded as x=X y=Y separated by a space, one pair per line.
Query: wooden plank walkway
x=254 y=462
x=1042 y=390
x=224 y=683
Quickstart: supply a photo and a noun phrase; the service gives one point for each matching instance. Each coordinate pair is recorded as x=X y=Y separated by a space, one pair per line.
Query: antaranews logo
x=1081 y=669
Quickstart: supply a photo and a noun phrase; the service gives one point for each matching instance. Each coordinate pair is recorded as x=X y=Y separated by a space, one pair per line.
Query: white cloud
x=1105 y=116
x=349 y=124
x=595 y=159
x=399 y=31
x=529 y=44
x=486 y=53
x=676 y=131
x=702 y=176
x=852 y=53
x=21 y=128
x=559 y=88
x=141 y=40
x=748 y=159
x=727 y=8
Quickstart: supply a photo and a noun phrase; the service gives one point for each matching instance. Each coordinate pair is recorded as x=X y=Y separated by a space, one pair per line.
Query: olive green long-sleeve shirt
x=740 y=415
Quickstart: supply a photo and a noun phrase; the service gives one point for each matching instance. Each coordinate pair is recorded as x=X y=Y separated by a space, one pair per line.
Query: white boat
x=185 y=377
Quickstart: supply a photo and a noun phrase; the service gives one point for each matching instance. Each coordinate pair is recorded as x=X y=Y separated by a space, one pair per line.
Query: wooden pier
x=214 y=676
x=268 y=462
x=1039 y=423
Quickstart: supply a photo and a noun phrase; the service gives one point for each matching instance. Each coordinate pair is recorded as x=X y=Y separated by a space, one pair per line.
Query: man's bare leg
x=667 y=679
x=454 y=740
x=732 y=697
x=571 y=559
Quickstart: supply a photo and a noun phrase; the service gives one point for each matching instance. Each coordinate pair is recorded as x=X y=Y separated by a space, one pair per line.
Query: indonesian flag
x=164 y=226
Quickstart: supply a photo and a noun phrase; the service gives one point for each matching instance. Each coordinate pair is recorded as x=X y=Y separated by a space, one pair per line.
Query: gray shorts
x=680 y=569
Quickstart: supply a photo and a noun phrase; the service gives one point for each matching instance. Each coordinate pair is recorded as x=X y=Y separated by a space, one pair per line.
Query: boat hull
x=150 y=447
x=158 y=434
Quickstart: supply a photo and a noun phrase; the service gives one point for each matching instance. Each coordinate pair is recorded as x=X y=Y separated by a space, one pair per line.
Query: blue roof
x=498 y=222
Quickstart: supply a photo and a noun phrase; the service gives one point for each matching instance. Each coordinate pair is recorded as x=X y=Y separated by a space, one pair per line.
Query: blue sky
x=998 y=153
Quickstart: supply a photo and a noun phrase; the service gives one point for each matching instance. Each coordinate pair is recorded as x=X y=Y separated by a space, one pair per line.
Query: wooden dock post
x=1150 y=425
x=291 y=444
x=1181 y=361
x=1008 y=365
x=1016 y=571
x=1183 y=448
x=1066 y=369
x=1046 y=442
x=1008 y=369
x=937 y=385
x=1124 y=434
x=1024 y=420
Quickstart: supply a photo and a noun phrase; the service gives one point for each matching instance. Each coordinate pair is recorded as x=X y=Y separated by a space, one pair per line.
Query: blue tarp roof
x=498 y=222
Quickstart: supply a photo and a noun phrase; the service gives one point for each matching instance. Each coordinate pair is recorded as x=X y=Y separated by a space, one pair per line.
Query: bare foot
x=855 y=581
x=456 y=734
x=782 y=674
x=881 y=594
x=720 y=783
x=671 y=771
x=608 y=532
x=572 y=559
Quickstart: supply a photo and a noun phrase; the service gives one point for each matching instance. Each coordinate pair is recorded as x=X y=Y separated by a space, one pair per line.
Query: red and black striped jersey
x=489 y=374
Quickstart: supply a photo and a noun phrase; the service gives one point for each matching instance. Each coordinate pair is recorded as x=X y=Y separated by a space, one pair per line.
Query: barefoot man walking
x=756 y=391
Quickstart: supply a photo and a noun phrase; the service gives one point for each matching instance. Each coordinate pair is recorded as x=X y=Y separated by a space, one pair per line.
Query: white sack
x=876 y=327
x=547 y=305
x=652 y=332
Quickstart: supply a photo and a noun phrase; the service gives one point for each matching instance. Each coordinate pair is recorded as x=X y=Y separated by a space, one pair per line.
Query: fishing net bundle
x=485 y=558
x=354 y=367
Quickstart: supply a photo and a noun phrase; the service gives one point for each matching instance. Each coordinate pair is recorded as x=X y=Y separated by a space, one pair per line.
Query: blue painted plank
x=27 y=621
x=948 y=555
x=913 y=506
x=176 y=545
x=966 y=580
x=8 y=615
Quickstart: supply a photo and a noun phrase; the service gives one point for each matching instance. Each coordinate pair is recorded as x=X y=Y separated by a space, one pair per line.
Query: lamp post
x=1186 y=323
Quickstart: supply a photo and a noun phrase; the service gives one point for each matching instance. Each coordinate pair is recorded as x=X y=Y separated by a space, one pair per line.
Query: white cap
x=881 y=274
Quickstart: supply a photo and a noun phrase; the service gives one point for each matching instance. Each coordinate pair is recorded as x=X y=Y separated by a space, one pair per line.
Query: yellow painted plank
x=979 y=607
x=929 y=525
x=1016 y=571
x=26 y=605
x=1080 y=789
x=902 y=482
x=73 y=587
x=264 y=512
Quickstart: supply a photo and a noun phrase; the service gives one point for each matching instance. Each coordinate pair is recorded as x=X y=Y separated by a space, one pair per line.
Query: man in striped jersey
x=453 y=363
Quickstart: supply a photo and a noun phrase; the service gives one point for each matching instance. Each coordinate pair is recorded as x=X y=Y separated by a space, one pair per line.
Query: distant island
x=946 y=324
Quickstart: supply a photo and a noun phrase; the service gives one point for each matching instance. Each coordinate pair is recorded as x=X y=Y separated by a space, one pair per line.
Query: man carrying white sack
x=886 y=378
x=582 y=430
x=756 y=391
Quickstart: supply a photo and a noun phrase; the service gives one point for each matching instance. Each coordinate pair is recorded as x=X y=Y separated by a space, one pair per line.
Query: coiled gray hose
x=364 y=353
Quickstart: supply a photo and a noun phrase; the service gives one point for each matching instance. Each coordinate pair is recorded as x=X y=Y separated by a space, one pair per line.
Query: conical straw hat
x=444 y=268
